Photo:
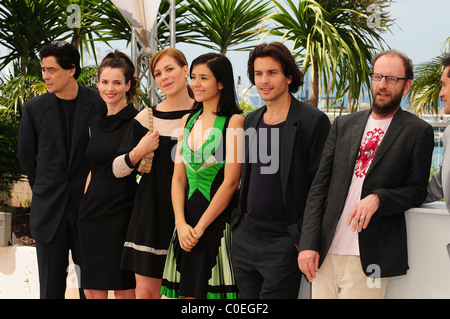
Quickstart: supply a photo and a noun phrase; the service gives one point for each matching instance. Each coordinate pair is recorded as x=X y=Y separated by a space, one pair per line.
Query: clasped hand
x=188 y=236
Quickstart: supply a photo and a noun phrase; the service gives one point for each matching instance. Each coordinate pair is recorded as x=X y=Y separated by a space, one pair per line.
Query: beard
x=388 y=107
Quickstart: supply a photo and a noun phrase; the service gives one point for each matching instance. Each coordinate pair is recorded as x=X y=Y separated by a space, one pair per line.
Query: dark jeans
x=265 y=267
x=53 y=257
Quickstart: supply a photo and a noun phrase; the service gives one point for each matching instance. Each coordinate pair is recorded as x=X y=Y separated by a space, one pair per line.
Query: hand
x=198 y=231
x=361 y=213
x=149 y=142
x=308 y=262
x=187 y=237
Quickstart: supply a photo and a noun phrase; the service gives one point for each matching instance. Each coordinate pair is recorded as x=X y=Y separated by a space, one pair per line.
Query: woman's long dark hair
x=222 y=70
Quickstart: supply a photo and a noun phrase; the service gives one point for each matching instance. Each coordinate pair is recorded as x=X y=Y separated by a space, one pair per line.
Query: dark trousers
x=265 y=267
x=53 y=257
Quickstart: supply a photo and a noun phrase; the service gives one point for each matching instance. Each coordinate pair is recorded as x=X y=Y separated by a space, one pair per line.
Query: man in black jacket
x=53 y=137
x=283 y=145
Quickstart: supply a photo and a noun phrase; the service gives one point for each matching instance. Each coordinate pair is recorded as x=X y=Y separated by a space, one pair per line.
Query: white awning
x=141 y=14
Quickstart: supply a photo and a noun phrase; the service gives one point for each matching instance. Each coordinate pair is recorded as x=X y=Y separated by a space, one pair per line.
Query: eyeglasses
x=389 y=78
x=58 y=44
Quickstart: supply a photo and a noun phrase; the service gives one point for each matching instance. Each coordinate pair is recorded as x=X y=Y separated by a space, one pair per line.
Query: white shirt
x=345 y=241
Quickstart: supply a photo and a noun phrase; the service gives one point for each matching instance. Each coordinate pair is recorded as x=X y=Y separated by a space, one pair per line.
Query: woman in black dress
x=108 y=202
x=152 y=222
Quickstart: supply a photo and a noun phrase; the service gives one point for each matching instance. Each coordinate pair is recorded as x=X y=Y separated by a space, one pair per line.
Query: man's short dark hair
x=279 y=52
x=66 y=55
x=446 y=62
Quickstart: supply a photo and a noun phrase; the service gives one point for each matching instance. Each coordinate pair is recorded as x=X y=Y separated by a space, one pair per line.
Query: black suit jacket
x=54 y=176
x=398 y=174
x=305 y=131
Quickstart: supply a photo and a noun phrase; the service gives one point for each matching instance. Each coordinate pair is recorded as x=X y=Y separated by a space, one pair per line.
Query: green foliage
x=333 y=40
x=424 y=92
x=16 y=90
x=101 y=21
x=25 y=26
x=10 y=170
x=88 y=77
x=246 y=107
x=224 y=24
x=423 y=96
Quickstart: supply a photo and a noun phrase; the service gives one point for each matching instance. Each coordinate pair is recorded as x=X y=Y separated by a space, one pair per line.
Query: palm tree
x=100 y=21
x=333 y=39
x=224 y=24
x=423 y=96
x=25 y=26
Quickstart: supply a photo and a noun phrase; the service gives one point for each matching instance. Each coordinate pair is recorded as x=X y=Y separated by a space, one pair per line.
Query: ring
x=362 y=217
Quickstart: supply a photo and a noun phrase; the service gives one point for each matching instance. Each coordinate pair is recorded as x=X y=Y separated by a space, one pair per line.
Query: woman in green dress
x=204 y=186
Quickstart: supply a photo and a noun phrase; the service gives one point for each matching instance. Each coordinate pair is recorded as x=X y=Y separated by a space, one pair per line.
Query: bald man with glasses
x=375 y=165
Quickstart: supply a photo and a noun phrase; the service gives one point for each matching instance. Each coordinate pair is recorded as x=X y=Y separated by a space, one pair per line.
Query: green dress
x=205 y=272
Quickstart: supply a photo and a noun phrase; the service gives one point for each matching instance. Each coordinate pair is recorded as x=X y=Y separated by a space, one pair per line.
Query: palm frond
x=225 y=24
x=423 y=96
x=331 y=40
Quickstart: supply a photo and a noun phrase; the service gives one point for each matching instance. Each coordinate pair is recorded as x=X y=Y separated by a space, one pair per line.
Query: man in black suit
x=53 y=137
x=375 y=166
x=282 y=153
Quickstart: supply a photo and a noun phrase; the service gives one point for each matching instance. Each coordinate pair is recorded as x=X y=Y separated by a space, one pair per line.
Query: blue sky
x=421 y=28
